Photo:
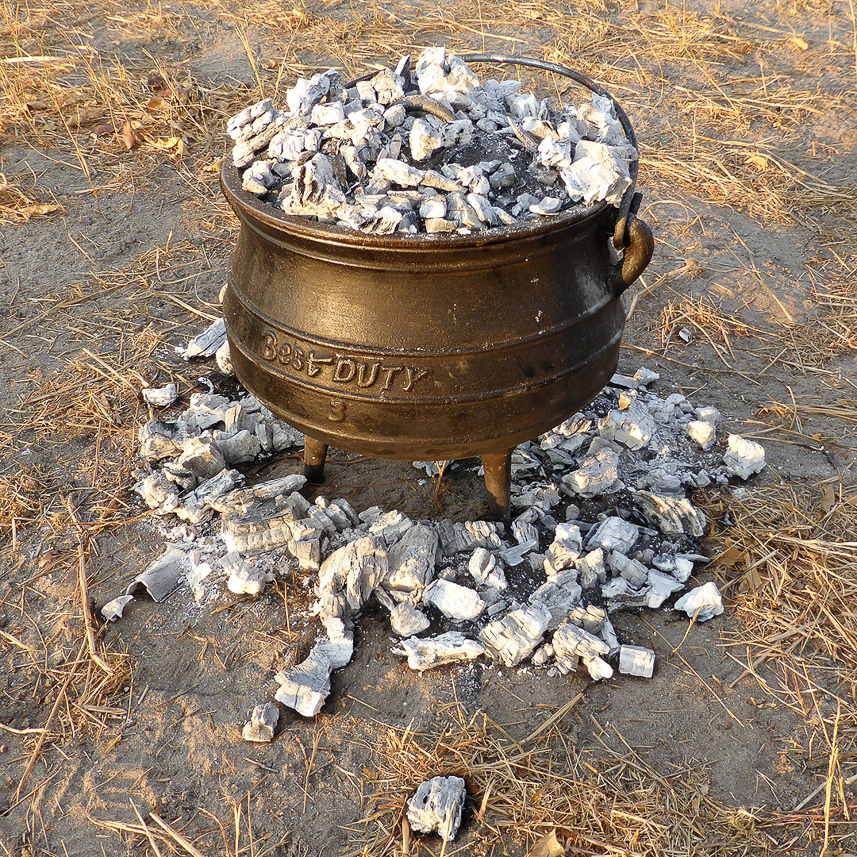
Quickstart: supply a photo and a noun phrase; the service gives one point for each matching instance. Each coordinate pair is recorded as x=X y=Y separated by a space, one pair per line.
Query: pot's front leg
x=315 y=453
x=498 y=476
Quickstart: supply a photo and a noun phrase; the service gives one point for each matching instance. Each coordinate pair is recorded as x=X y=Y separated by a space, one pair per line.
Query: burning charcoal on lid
x=445 y=119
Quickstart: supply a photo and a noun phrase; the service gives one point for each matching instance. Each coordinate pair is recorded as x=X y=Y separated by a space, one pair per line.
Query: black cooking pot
x=428 y=347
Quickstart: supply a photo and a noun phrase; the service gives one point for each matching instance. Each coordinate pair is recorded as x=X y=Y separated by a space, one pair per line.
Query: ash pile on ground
x=602 y=520
x=431 y=150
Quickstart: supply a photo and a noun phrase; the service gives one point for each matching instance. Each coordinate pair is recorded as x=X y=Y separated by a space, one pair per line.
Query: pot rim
x=244 y=202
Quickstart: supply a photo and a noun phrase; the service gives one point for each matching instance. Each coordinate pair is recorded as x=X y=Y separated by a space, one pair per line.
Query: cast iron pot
x=427 y=347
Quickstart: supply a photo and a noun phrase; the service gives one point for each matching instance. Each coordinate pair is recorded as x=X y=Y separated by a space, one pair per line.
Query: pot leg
x=315 y=452
x=498 y=471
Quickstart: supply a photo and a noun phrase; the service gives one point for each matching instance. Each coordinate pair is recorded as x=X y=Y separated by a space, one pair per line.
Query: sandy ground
x=742 y=743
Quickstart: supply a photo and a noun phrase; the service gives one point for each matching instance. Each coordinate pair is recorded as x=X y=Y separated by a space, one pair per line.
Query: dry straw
x=606 y=802
x=721 y=106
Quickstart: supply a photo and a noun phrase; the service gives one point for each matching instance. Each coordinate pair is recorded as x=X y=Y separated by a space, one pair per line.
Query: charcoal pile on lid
x=604 y=520
x=429 y=148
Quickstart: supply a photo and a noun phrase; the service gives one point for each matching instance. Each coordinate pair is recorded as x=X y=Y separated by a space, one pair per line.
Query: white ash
x=660 y=587
x=598 y=474
x=559 y=596
x=515 y=555
x=262 y=723
x=406 y=620
x=613 y=534
x=448 y=648
x=594 y=561
x=591 y=569
x=608 y=635
x=198 y=573
x=113 y=610
x=571 y=643
x=599 y=172
x=671 y=515
x=564 y=551
x=454 y=601
x=458 y=538
x=337 y=154
x=391 y=526
x=160 y=397
x=163 y=576
x=223 y=358
x=710 y=415
x=575 y=640
x=245 y=578
x=243 y=499
x=523 y=528
x=353 y=571
x=305 y=686
x=597 y=667
x=207 y=342
x=437 y=806
x=702 y=432
x=636 y=661
x=702 y=603
x=202 y=456
x=257 y=530
x=514 y=637
x=676 y=565
x=258 y=178
x=487 y=569
x=743 y=457
x=631 y=570
x=542 y=655
x=338 y=645
x=631 y=427
x=252 y=130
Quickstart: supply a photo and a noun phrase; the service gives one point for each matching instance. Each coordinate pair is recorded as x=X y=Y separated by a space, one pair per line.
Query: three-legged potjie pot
x=426 y=347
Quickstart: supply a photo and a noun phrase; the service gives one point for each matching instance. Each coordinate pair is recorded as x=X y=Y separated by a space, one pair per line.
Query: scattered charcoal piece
x=423 y=654
x=636 y=661
x=454 y=601
x=112 y=610
x=743 y=457
x=263 y=721
x=702 y=603
x=163 y=576
x=437 y=806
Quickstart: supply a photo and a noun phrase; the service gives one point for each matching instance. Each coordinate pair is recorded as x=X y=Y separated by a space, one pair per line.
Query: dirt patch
x=742 y=743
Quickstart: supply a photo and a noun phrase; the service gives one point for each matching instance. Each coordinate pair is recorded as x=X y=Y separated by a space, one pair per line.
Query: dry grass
x=16 y=206
x=610 y=801
x=789 y=560
x=22 y=499
x=833 y=330
x=702 y=317
x=808 y=346
x=725 y=110
x=793 y=555
x=236 y=832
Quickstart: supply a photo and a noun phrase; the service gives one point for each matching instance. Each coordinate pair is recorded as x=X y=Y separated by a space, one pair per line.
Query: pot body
x=422 y=348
